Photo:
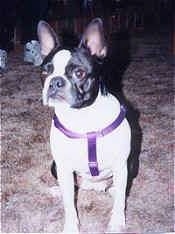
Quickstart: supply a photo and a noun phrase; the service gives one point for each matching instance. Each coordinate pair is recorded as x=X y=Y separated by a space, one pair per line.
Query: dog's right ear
x=47 y=38
x=94 y=39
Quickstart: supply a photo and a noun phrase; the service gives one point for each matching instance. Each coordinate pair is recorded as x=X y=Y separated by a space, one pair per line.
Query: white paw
x=71 y=224
x=70 y=228
x=115 y=229
x=116 y=225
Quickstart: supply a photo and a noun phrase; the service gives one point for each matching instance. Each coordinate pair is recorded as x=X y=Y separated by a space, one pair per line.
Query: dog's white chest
x=73 y=153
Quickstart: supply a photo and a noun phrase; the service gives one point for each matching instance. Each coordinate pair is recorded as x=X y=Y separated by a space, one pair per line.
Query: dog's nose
x=57 y=82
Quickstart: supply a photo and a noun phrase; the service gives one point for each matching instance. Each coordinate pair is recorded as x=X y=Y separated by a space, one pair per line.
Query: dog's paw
x=115 y=229
x=116 y=225
x=71 y=225
x=70 y=229
x=119 y=229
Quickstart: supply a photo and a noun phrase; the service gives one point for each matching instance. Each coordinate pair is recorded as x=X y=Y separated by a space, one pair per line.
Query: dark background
x=73 y=15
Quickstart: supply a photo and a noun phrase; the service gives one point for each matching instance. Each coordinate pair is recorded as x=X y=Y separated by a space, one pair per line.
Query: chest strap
x=91 y=138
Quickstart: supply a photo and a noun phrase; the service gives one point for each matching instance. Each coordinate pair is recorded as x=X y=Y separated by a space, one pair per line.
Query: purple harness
x=91 y=138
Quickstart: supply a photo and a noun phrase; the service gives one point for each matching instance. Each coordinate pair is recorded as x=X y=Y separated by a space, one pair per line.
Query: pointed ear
x=47 y=38
x=94 y=39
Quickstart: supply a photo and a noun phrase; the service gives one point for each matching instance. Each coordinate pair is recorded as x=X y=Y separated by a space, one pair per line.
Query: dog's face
x=72 y=76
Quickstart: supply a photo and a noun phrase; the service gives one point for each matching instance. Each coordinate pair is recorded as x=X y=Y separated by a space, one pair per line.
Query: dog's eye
x=80 y=73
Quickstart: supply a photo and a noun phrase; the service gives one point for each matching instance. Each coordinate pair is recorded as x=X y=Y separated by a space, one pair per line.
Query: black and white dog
x=90 y=136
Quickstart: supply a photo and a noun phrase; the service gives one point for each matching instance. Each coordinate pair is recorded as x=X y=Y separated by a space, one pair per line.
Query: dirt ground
x=27 y=203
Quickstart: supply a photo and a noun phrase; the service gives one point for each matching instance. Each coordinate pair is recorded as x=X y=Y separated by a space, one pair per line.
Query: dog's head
x=72 y=76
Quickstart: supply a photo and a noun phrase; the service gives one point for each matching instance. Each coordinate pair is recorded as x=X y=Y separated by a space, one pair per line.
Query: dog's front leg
x=117 y=221
x=66 y=181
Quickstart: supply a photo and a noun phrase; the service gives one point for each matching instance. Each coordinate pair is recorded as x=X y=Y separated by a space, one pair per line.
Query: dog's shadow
x=136 y=140
x=114 y=67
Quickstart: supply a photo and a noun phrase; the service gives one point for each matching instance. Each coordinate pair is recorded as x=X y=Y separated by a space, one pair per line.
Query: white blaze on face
x=60 y=61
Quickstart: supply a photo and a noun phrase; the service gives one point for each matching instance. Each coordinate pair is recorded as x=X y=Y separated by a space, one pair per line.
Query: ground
x=27 y=204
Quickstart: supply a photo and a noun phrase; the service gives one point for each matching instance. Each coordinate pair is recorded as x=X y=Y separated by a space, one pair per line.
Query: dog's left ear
x=94 y=39
x=47 y=38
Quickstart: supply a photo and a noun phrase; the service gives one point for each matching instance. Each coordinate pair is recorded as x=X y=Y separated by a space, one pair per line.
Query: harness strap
x=91 y=138
x=92 y=155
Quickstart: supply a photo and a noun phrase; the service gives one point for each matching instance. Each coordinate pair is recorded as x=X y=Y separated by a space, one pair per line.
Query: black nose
x=57 y=82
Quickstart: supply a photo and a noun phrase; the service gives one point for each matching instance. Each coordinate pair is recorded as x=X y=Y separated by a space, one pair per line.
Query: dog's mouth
x=53 y=98
x=78 y=104
x=56 y=98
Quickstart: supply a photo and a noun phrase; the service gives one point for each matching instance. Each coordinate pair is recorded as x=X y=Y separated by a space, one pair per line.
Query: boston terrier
x=90 y=135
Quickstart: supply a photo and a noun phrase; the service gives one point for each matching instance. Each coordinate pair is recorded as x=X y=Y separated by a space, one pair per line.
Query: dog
x=90 y=135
